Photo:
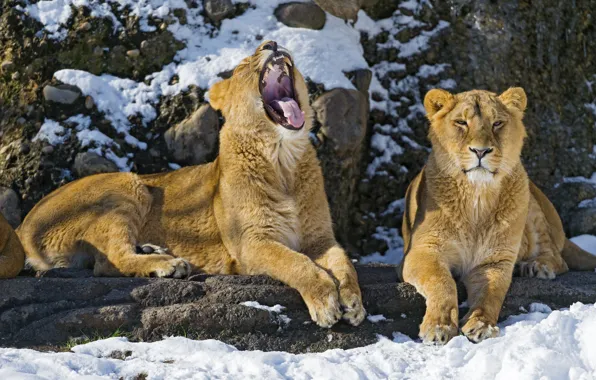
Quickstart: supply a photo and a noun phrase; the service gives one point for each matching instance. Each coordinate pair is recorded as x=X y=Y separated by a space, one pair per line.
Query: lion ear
x=218 y=93
x=515 y=97
x=435 y=100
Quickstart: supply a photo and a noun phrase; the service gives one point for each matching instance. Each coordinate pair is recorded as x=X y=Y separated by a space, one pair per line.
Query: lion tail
x=576 y=258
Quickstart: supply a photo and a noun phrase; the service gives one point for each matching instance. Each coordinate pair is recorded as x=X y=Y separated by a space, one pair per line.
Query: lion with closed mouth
x=259 y=208
x=473 y=213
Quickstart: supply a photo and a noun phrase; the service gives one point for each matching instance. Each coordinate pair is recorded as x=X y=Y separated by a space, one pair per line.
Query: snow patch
x=52 y=132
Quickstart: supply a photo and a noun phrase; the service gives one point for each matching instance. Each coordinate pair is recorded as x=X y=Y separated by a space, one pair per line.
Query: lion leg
x=336 y=261
x=114 y=236
x=432 y=278
x=315 y=285
x=486 y=286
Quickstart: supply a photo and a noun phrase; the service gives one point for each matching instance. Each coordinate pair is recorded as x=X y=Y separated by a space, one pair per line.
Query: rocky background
x=371 y=139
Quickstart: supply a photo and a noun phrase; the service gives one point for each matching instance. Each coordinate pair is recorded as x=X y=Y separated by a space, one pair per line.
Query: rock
x=135 y=53
x=65 y=304
x=301 y=15
x=343 y=117
x=567 y=198
x=6 y=66
x=361 y=79
x=84 y=27
x=10 y=206
x=346 y=9
x=89 y=102
x=62 y=93
x=217 y=10
x=194 y=140
x=88 y=163
x=48 y=149
x=98 y=51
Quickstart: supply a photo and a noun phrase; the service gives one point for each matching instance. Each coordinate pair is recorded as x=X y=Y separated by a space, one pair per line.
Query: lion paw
x=323 y=302
x=477 y=329
x=537 y=268
x=174 y=268
x=351 y=303
x=439 y=329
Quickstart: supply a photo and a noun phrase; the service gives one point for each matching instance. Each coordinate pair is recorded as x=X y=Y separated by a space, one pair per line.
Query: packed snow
x=537 y=345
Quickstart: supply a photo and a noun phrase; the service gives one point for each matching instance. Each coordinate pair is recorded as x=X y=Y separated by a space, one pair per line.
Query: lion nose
x=271 y=45
x=481 y=152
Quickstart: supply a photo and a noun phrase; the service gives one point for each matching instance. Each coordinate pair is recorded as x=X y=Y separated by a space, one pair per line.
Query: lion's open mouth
x=278 y=93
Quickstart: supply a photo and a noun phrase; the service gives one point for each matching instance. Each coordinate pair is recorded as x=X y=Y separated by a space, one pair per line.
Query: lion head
x=477 y=133
x=266 y=89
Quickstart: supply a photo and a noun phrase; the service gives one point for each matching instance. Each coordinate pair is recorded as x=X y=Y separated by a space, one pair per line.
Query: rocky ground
x=69 y=307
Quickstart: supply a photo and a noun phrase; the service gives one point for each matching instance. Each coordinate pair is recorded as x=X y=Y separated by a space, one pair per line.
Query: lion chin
x=478 y=223
x=480 y=175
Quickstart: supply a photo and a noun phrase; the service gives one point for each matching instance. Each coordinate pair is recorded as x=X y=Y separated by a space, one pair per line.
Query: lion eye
x=497 y=124
x=461 y=122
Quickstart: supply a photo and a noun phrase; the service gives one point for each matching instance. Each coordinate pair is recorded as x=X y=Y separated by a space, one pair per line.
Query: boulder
x=301 y=15
x=194 y=141
x=65 y=306
x=346 y=9
x=217 y=10
x=62 y=93
x=88 y=163
x=343 y=116
x=10 y=206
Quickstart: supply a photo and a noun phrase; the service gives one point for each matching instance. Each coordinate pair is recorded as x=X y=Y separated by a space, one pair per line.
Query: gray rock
x=62 y=93
x=343 y=116
x=88 y=163
x=217 y=10
x=10 y=206
x=361 y=79
x=194 y=140
x=301 y=15
x=53 y=310
x=135 y=53
x=346 y=9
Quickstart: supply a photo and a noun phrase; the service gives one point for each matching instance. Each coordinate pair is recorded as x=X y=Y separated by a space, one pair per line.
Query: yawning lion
x=260 y=208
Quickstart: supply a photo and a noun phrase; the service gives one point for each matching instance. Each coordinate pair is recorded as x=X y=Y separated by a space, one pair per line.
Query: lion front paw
x=322 y=301
x=174 y=268
x=478 y=329
x=439 y=327
x=351 y=303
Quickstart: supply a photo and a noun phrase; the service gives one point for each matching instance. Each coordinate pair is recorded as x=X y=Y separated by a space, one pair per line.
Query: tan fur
x=260 y=208
x=477 y=224
x=12 y=256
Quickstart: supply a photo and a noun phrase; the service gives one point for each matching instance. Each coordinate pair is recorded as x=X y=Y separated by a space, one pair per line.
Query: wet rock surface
x=69 y=305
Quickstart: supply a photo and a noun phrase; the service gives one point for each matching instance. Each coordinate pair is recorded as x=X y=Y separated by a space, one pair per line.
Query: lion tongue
x=291 y=111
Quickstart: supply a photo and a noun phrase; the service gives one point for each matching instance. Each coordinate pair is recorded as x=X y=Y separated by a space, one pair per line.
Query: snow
x=275 y=310
x=376 y=318
x=52 y=132
x=536 y=345
x=395 y=250
x=586 y=242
